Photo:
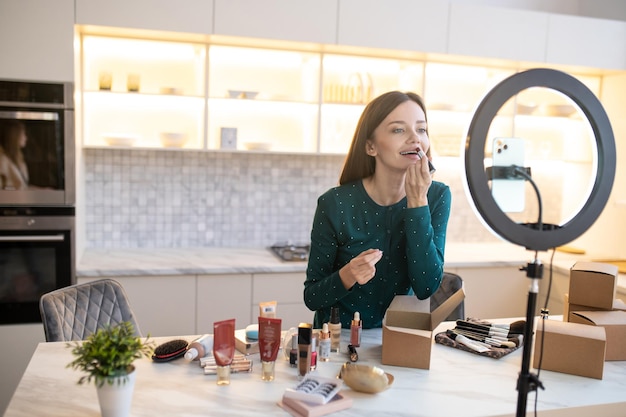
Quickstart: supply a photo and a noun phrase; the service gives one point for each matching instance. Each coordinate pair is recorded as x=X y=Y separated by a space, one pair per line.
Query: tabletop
x=458 y=383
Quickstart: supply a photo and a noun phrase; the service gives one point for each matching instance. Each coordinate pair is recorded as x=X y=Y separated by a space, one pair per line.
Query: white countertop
x=197 y=261
x=192 y=261
x=458 y=384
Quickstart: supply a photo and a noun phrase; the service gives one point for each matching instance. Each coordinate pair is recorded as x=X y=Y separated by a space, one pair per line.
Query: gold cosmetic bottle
x=335 y=329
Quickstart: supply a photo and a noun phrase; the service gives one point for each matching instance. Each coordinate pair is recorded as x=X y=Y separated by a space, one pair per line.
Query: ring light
x=477 y=180
x=539 y=237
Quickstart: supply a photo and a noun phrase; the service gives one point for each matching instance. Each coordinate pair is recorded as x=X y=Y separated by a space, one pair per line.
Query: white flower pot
x=115 y=399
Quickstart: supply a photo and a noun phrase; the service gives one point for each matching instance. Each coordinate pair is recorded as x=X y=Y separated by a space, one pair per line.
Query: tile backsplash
x=160 y=198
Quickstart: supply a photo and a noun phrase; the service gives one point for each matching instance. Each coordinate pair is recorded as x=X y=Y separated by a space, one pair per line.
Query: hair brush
x=170 y=350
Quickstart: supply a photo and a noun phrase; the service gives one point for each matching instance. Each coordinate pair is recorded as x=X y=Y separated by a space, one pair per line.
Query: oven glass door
x=32 y=263
x=31 y=149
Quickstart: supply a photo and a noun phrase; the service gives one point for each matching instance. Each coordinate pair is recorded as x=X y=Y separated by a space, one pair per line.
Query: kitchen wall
x=157 y=198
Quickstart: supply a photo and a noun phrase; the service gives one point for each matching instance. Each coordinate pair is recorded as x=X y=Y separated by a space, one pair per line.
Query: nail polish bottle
x=355 y=330
x=293 y=353
x=313 y=352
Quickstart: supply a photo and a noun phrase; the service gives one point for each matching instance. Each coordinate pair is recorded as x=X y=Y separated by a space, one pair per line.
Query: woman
x=13 y=169
x=382 y=231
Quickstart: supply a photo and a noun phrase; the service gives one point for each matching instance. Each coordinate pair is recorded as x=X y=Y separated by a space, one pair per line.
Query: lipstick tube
x=305 y=333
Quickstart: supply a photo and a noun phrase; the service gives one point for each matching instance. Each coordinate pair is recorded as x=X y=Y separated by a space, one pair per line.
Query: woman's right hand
x=361 y=269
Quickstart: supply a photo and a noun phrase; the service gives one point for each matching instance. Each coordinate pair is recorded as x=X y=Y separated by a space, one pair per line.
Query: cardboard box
x=593 y=284
x=569 y=307
x=408 y=329
x=570 y=348
x=614 y=323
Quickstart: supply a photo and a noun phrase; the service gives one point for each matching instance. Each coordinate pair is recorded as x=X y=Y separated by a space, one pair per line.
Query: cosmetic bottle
x=293 y=353
x=335 y=329
x=305 y=334
x=199 y=348
x=355 y=330
x=313 y=352
x=223 y=349
x=269 y=342
x=325 y=344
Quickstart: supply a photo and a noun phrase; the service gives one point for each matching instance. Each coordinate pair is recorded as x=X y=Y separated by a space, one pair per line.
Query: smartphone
x=509 y=193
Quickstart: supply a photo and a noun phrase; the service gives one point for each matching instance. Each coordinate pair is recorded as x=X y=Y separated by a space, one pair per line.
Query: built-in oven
x=37 y=144
x=36 y=256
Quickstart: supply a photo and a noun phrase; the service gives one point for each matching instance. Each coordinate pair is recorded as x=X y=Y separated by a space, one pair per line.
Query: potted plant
x=107 y=357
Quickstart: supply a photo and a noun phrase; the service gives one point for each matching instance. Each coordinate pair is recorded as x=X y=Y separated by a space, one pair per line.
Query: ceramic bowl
x=173 y=139
x=560 y=110
x=365 y=378
x=242 y=94
x=526 y=109
x=112 y=139
x=258 y=146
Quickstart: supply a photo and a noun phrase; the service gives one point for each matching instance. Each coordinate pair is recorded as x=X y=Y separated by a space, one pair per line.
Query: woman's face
x=22 y=139
x=400 y=136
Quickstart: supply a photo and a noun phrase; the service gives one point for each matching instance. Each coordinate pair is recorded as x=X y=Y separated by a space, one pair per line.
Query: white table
x=458 y=384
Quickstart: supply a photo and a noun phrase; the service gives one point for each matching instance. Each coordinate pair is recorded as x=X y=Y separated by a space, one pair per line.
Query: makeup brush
x=495 y=334
x=515 y=328
x=476 y=346
x=488 y=340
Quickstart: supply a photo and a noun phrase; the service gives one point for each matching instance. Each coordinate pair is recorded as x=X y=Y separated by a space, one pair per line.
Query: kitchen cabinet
x=186 y=16
x=143 y=92
x=160 y=93
x=287 y=290
x=303 y=21
x=37 y=39
x=222 y=297
x=599 y=43
x=276 y=109
x=409 y=25
x=497 y=32
x=494 y=292
x=163 y=305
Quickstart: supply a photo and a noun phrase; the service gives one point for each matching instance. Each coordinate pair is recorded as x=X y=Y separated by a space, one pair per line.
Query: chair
x=450 y=283
x=76 y=311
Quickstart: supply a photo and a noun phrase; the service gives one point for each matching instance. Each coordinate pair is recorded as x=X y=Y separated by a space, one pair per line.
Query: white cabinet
x=37 y=40
x=494 y=292
x=575 y=40
x=307 y=21
x=163 y=305
x=142 y=92
x=410 y=25
x=287 y=290
x=187 y=16
x=277 y=108
x=497 y=32
x=222 y=297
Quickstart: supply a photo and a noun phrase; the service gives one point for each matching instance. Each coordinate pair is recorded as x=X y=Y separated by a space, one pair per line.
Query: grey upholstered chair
x=76 y=311
x=450 y=283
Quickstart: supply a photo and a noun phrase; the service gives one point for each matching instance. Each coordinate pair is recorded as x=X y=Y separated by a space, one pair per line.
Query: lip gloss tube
x=431 y=167
x=305 y=333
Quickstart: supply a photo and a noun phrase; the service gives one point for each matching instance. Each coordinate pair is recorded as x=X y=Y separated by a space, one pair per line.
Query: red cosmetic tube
x=224 y=349
x=269 y=342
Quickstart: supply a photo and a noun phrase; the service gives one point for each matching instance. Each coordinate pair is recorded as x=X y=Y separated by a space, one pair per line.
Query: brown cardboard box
x=569 y=307
x=408 y=326
x=593 y=284
x=614 y=323
x=570 y=348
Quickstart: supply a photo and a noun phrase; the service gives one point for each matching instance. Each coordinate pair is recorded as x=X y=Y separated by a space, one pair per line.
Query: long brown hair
x=10 y=132
x=358 y=163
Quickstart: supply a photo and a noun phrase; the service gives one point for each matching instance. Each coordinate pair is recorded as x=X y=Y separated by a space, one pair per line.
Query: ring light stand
x=543 y=237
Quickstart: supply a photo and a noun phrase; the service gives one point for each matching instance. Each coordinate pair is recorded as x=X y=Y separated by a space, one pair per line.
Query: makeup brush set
x=483 y=337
